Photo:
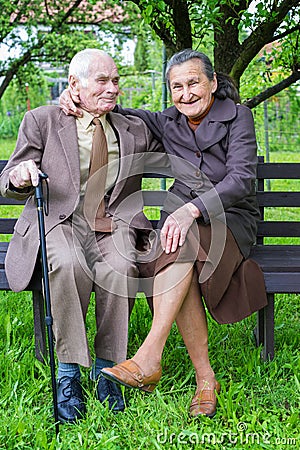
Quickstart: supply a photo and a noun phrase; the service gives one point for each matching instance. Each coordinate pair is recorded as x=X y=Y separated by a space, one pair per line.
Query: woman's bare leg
x=192 y=325
x=167 y=301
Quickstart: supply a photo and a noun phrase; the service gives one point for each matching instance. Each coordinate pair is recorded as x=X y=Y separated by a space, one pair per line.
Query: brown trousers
x=80 y=260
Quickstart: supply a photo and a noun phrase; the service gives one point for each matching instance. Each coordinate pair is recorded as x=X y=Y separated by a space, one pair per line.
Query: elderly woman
x=216 y=136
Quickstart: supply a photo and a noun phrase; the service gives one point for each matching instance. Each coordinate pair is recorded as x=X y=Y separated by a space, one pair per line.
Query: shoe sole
x=148 y=388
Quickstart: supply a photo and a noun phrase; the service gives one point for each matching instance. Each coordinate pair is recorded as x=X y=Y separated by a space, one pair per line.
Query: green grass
x=258 y=404
x=6 y=147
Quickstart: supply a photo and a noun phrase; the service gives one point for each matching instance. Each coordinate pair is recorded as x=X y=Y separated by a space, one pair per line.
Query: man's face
x=100 y=95
x=190 y=88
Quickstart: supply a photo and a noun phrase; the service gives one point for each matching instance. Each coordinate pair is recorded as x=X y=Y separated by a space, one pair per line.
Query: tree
x=52 y=32
x=233 y=32
x=237 y=30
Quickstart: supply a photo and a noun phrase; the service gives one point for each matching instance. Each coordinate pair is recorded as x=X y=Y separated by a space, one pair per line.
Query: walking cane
x=46 y=289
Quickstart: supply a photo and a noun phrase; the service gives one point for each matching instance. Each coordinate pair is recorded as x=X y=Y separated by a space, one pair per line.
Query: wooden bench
x=279 y=262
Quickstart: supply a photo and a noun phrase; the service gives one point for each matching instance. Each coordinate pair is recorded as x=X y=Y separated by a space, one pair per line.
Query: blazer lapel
x=68 y=137
x=126 y=149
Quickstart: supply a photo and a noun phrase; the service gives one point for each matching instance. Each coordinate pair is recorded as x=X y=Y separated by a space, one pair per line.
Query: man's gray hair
x=185 y=55
x=80 y=63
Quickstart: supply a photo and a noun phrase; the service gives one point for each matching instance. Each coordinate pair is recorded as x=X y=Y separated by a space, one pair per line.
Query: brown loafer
x=205 y=402
x=129 y=374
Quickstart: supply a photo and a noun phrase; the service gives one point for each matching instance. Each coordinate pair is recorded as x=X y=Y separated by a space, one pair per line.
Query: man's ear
x=74 y=88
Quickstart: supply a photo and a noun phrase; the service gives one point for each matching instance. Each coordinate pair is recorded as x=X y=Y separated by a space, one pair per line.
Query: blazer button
x=198 y=173
x=198 y=154
x=62 y=216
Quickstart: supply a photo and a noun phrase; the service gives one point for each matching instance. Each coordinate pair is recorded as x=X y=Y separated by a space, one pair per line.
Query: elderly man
x=90 y=243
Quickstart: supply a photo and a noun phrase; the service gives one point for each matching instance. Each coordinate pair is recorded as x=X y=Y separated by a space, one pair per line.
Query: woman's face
x=191 y=90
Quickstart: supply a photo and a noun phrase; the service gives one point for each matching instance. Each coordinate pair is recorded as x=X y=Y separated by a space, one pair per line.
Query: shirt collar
x=87 y=118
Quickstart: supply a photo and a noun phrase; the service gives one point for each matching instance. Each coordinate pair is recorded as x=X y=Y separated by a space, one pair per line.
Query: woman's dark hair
x=226 y=86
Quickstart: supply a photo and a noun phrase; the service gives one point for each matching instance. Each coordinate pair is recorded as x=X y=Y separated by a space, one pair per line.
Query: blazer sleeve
x=28 y=146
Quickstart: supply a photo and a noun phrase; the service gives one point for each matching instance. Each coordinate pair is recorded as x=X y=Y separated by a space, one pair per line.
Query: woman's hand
x=176 y=227
x=67 y=104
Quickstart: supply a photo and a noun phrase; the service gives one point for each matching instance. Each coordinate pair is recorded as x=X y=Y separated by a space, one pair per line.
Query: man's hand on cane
x=25 y=174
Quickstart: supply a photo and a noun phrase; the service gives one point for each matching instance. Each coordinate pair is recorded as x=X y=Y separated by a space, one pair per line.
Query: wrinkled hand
x=67 y=102
x=176 y=227
x=24 y=174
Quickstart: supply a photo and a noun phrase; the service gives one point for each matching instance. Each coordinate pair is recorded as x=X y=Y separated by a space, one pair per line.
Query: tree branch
x=273 y=90
x=283 y=35
x=13 y=70
x=259 y=38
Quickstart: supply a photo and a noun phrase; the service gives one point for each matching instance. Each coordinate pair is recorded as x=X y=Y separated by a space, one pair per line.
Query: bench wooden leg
x=39 y=326
x=265 y=329
x=259 y=329
x=268 y=352
x=268 y=330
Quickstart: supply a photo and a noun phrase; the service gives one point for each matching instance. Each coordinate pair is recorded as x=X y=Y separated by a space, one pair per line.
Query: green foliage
x=141 y=58
x=54 y=32
x=27 y=91
x=236 y=31
x=277 y=122
x=142 y=91
x=141 y=85
x=258 y=405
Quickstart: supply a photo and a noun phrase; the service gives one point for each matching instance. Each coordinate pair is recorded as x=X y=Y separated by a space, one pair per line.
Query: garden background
x=259 y=401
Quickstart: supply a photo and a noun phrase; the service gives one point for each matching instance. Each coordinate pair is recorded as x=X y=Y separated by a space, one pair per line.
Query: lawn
x=258 y=404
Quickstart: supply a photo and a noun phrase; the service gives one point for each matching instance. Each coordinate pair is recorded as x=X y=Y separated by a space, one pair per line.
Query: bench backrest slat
x=265 y=198
x=154 y=198
x=278 y=171
x=278 y=199
x=10 y=201
x=7 y=226
x=278 y=229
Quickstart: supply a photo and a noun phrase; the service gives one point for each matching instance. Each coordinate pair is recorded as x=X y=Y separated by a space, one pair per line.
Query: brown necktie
x=94 y=205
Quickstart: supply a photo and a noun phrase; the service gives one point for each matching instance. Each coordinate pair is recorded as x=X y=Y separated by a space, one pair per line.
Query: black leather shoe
x=70 y=402
x=110 y=391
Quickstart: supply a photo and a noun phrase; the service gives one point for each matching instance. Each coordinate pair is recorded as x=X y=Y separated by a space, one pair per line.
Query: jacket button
x=198 y=154
x=198 y=173
x=62 y=216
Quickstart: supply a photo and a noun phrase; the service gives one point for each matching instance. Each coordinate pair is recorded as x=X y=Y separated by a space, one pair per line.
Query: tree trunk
x=182 y=24
x=226 y=37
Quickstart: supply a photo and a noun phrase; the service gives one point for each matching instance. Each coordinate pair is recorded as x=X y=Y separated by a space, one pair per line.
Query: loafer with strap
x=129 y=374
x=204 y=402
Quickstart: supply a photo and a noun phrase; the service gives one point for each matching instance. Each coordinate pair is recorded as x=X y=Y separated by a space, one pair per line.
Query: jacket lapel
x=68 y=137
x=214 y=126
x=126 y=149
